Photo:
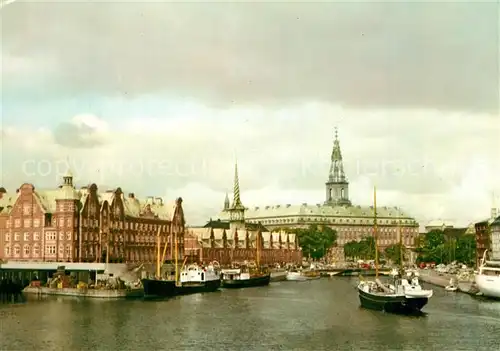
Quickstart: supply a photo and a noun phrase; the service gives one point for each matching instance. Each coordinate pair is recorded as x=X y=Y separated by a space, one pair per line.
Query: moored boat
x=301 y=276
x=195 y=279
x=487 y=278
x=399 y=297
x=244 y=278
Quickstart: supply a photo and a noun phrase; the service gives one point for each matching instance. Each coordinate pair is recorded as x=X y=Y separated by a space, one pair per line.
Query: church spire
x=336 y=166
x=337 y=186
x=226 y=202
x=236 y=196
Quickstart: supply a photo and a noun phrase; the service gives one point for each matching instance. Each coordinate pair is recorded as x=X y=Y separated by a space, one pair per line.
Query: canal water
x=317 y=315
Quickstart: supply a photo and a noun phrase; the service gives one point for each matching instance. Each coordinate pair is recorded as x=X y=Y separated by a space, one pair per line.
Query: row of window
x=49 y=236
x=29 y=209
x=29 y=251
x=36 y=223
x=329 y=220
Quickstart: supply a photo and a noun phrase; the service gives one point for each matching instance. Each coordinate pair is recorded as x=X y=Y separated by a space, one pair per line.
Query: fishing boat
x=247 y=275
x=488 y=277
x=196 y=279
x=159 y=286
x=399 y=297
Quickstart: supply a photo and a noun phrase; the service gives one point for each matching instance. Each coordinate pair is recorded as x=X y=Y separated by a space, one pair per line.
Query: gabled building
x=234 y=239
x=84 y=225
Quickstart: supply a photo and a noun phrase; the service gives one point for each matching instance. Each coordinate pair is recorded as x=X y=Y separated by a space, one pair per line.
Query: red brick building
x=483 y=239
x=70 y=225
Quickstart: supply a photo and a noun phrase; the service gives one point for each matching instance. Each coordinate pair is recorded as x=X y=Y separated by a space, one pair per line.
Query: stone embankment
x=442 y=280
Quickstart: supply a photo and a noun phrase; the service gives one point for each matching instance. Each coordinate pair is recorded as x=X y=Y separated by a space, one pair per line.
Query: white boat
x=488 y=278
x=452 y=286
x=298 y=275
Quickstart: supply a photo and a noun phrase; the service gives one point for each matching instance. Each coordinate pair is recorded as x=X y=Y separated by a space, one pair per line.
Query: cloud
x=439 y=165
x=161 y=98
x=358 y=54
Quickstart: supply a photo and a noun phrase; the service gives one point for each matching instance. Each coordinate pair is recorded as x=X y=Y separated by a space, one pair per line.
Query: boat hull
x=391 y=303
x=246 y=283
x=488 y=285
x=154 y=288
x=167 y=288
x=208 y=286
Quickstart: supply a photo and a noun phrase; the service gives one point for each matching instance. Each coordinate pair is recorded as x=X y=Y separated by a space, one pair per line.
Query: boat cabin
x=195 y=273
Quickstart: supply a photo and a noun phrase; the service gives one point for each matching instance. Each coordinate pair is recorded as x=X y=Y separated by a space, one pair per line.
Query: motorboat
x=487 y=278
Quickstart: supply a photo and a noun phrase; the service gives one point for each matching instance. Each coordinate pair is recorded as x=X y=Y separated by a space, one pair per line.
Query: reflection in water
x=316 y=315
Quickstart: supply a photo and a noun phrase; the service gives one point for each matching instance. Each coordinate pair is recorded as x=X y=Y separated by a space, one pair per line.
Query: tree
x=315 y=241
x=360 y=250
x=394 y=253
x=438 y=248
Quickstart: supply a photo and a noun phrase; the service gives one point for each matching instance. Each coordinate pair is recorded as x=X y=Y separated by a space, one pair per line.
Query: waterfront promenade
x=432 y=277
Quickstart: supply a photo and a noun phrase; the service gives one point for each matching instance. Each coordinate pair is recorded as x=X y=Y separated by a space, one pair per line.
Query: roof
x=133 y=207
x=223 y=224
x=496 y=222
x=321 y=211
x=439 y=223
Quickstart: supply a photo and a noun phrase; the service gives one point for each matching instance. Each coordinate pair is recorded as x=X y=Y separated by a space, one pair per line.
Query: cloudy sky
x=160 y=98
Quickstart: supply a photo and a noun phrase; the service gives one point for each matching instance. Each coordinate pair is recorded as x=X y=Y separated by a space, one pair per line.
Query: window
x=27 y=250
x=50 y=250
x=17 y=223
x=69 y=222
x=36 y=236
x=17 y=236
x=27 y=210
x=68 y=236
x=17 y=251
x=36 y=251
x=7 y=237
x=36 y=222
x=68 y=251
x=61 y=222
x=7 y=250
x=61 y=236
x=26 y=236
x=7 y=224
x=61 y=249
x=50 y=236
x=27 y=223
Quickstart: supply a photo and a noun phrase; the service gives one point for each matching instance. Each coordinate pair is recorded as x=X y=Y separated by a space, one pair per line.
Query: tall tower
x=337 y=186
x=237 y=210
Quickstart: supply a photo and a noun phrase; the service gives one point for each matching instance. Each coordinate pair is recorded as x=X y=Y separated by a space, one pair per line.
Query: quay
x=86 y=293
x=350 y=272
x=431 y=277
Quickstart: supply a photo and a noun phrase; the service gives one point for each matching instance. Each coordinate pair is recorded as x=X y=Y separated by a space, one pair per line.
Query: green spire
x=236 y=199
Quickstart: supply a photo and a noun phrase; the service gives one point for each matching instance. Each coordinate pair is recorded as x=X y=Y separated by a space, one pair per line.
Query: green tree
x=315 y=240
x=361 y=250
x=394 y=253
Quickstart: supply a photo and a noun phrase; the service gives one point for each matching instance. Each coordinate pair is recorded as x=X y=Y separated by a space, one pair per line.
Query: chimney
x=159 y=200
x=131 y=195
x=150 y=200
x=17 y=191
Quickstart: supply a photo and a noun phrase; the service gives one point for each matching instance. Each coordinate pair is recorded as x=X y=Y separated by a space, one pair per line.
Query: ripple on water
x=317 y=315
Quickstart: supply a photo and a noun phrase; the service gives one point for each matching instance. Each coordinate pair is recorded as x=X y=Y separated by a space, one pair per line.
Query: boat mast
x=401 y=256
x=176 y=260
x=375 y=229
x=158 y=267
x=257 y=242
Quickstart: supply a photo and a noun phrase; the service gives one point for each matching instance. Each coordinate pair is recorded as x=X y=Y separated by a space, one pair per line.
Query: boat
x=452 y=286
x=159 y=286
x=299 y=275
x=196 y=279
x=487 y=278
x=404 y=295
x=244 y=277
x=247 y=275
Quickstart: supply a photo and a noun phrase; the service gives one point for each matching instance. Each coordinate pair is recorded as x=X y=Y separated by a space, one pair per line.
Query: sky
x=161 y=98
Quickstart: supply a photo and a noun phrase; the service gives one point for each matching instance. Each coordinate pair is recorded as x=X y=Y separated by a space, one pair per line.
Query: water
x=315 y=315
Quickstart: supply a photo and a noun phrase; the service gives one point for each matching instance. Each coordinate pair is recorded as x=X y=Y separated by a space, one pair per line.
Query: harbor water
x=315 y=315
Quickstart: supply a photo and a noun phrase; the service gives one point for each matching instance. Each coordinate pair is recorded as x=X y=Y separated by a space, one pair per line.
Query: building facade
x=352 y=222
x=236 y=240
x=70 y=225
